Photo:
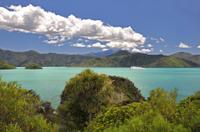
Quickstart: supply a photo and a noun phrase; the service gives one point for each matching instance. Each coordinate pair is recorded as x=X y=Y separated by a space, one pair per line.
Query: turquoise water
x=50 y=81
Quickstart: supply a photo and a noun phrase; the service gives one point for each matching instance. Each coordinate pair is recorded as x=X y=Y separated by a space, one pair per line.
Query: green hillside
x=172 y=62
x=117 y=59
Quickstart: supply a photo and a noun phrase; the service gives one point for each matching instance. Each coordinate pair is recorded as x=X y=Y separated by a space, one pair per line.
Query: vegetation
x=172 y=62
x=89 y=93
x=33 y=66
x=159 y=113
x=19 y=110
x=117 y=59
x=94 y=102
x=4 y=65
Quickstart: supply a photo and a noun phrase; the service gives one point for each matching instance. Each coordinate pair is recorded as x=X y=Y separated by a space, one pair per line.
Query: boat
x=136 y=68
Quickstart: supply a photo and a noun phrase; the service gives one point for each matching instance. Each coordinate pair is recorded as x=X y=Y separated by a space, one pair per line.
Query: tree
x=83 y=97
x=89 y=93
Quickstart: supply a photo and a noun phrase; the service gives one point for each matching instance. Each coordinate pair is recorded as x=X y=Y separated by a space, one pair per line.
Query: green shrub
x=89 y=93
x=18 y=109
x=164 y=102
x=148 y=122
x=117 y=115
x=188 y=112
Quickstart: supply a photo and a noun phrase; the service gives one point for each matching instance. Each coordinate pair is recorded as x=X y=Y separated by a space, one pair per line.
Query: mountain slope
x=188 y=56
x=118 y=59
x=172 y=62
x=50 y=59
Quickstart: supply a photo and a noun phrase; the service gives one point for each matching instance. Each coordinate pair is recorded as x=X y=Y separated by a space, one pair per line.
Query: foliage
x=164 y=102
x=148 y=122
x=123 y=85
x=33 y=66
x=84 y=95
x=89 y=93
x=159 y=113
x=117 y=115
x=4 y=65
x=18 y=110
x=188 y=112
x=171 y=61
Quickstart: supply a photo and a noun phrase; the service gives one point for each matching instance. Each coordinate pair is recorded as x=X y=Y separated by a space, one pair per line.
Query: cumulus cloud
x=150 y=45
x=98 y=45
x=79 y=45
x=160 y=51
x=136 y=50
x=198 y=46
x=58 y=29
x=184 y=45
x=105 y=49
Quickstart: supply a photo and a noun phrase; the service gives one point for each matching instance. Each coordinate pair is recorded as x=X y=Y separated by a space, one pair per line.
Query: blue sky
x=167 y=26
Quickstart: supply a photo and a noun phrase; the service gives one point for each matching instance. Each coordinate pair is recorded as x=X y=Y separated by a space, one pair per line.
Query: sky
x=84 y=26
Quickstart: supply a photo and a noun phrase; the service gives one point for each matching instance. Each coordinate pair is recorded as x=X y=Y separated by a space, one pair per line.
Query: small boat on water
x=136 y=68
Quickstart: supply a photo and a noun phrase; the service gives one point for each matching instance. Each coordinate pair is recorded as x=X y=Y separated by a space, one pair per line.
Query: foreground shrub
x=18 y=110
x=188 y=112
x=164 y=102
x=148 y=122
x=89 y=93
x=117 y=115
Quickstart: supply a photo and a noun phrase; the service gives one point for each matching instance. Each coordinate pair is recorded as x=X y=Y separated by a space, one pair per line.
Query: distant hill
x=127 y=59
x=50 y=59
x=116 y=59
x=188 y=56
x=171 y=61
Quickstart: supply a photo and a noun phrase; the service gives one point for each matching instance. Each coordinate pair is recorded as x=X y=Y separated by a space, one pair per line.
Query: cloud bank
x=59 y=29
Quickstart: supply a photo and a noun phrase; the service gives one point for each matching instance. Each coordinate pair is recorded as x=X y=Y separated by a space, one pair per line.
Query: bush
x=18 y=110
x=164 y=102
x=148 y=122
x=83 y=97
x=89 y=93
x=188 y=112
x=117 y=115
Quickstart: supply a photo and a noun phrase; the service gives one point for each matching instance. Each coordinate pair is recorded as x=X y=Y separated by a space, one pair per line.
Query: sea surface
x=50 y=81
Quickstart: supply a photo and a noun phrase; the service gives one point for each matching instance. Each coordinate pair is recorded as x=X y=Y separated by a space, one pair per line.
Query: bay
x=50 y=81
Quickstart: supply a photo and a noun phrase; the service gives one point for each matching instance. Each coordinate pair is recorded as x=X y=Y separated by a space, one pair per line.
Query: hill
x=188 y=56
x=172 y=62
x=30 y=57
x=116 y=59
x=127 y=59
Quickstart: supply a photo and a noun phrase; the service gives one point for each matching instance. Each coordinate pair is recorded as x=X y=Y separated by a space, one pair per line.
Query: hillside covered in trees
x=115 y=59
x=96 y=102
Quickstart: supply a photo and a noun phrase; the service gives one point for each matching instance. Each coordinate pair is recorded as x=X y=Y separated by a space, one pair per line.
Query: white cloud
x=162 y=39
x=198 y=46
x=58 y=29
x=160 y=51
x=98 y=45
x=158 y=40
x=79 y=45
x=141 y=50
x=184 y=46
x=150 y=45
x=105 y=49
